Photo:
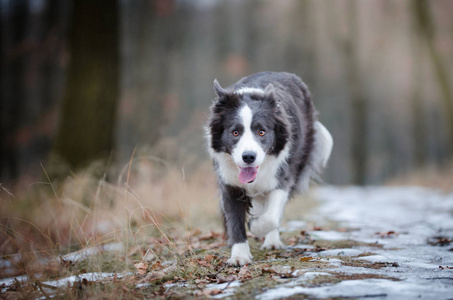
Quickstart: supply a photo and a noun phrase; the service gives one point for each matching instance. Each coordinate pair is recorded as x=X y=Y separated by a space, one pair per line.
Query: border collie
x=266 y=144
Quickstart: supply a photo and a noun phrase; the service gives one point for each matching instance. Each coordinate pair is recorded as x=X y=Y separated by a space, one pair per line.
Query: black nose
x=248 y=157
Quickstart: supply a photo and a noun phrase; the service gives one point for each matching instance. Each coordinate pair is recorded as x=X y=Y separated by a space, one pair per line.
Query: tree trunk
x=13 y=66
x=87 y=119
x=359 y=147
x=427 y=32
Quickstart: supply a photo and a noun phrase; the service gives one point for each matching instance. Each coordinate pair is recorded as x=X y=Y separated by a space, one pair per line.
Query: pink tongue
x=248 y=174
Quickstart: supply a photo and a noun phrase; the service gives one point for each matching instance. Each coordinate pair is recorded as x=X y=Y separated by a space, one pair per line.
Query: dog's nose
x=248 y=157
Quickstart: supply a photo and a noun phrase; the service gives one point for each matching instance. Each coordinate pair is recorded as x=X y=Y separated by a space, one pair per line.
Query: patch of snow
x=227 y=288
x=340 y=252
x=9 y=281
x=401 y=220
x=375 y=288
x=303 y=274
x=293 y=226
x=330 y=235
x=146 y=284
x=71 y=279
x=87 y=252
x=302 y=246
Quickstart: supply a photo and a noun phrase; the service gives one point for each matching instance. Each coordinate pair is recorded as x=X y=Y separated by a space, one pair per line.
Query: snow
x=10 y=281
x=87 y=252
x=228 y=288
x=401 y=219
x=330 y=235
x=71 y=279
x=340 y=252
x=365 y=288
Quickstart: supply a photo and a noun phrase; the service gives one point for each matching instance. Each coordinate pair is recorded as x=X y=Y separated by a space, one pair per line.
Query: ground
x=347 y=242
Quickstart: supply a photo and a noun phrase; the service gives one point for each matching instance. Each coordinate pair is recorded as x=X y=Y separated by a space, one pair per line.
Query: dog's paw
x=272 y=245
x=261 y=226
x=240 y=255
x=239 y=261
x=272 y=241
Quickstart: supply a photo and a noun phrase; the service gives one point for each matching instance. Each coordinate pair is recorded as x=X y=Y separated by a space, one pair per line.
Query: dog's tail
x=322 y=148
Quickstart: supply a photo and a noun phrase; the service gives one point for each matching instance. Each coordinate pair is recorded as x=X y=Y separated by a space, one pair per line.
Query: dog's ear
x=269 y=94
x=269 y=90
x=220 y=91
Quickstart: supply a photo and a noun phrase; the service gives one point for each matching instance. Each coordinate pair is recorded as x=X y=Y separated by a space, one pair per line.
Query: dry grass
x=151 y=199
x=429 y=176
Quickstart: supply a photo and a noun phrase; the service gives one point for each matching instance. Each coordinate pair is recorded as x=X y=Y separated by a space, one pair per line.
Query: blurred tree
x=87 y=120
x=426 y=30
x=13 y=94
x=418 y=123
x=358 y=99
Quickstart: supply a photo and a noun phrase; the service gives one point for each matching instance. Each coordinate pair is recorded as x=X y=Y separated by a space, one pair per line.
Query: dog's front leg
x=268 y=223
x=234 y=206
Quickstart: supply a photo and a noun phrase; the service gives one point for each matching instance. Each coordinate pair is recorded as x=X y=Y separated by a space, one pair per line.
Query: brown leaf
x=223 y=279
x=212 y=292
x=156 y=266
x=201 y=282
x=388 y=234
x=157 y=275
x=141 y=268
x=446 y=267
x=281 y=271
x=209 y=258
x=244 y=270
x=244 y=273
x=210 y=236
x=306 y=258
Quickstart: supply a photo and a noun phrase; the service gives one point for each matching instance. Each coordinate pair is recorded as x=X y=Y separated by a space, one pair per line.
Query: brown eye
x=261 y=132
x=235 y=132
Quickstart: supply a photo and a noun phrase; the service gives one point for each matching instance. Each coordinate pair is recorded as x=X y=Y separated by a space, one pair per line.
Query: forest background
x=105 y=98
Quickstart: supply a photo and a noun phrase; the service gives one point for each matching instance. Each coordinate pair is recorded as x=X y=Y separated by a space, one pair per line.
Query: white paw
x=272 y=245
x=239 y=261
x=240 y=254
x=261 y=226
x=272 y=241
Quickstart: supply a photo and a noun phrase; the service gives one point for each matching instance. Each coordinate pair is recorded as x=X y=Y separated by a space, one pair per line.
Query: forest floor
x=373 y=242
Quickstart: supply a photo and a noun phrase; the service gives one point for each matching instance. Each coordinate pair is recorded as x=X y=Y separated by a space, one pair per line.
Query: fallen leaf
x=244 y=273
x=211 y=292
x=141 y=268
x=156 y=266
x=157 y=275
x=306 y=258
x=223 y=279
x=388 y=234
x=281 y=271
x=446 y=267
x=201 y=282
x=210 y=236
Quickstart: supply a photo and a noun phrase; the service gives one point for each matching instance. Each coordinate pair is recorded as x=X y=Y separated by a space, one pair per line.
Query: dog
x=266 y=144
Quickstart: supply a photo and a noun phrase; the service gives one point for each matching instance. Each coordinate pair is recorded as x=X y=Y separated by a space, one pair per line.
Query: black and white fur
x=265 y=122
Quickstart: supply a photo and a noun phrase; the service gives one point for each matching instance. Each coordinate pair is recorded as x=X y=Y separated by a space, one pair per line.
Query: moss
x=337 y=277
x=255 y=287
x=342 y=244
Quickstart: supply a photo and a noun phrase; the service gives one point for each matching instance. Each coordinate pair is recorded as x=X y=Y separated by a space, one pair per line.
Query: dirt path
x=412 y=230
x=380 y=243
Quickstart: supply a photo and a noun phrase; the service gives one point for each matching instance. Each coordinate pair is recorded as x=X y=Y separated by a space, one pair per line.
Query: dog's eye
x=261 y=132
x=235 y=132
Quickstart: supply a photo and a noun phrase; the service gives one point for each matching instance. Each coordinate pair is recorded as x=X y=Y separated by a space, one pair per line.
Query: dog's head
x=247 y=124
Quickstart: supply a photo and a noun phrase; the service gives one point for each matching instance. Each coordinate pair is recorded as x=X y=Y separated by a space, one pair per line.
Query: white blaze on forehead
x=249 y=90
x=248 y=140
x=247 y=117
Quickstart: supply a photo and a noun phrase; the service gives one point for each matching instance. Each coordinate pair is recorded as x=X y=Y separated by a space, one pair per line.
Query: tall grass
x=149 y=203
